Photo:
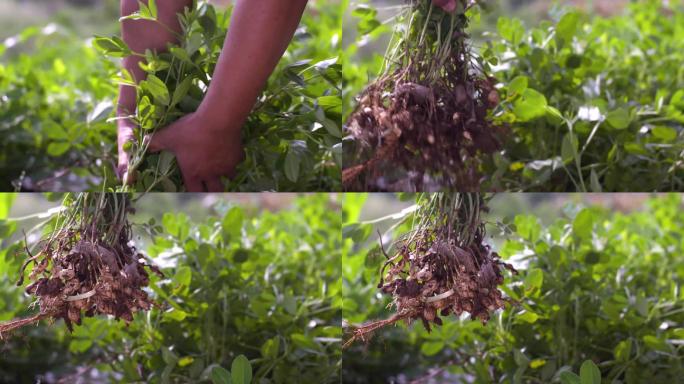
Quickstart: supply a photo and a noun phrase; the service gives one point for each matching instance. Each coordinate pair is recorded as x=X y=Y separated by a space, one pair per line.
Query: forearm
x=141 y=35
x=259 y=33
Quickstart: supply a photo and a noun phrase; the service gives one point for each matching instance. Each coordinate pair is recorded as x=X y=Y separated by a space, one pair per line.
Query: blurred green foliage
x=82 y=17
x=53 y=110
x=262 y=285
x=593 y=104
x=594 y=285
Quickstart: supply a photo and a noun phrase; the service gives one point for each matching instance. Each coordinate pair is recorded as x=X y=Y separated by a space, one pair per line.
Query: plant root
x=19 y=323
x=88 y=266
x=442 y=268
x=427 y=118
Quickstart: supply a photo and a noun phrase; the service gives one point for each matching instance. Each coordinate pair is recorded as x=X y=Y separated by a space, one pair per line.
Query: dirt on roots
x=76 y=273
x=434 y=274
x=428 y=118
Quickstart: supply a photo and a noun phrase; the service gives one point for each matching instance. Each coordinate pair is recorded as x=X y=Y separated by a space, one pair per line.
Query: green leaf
x=241 y=371
x=303 y=341
x=293 y=159
x=531 y=105
x=528 y=227
x=152 y=6
x=594 y=182
x=158 y=89
x=589 y=373
x=183 y=276
x=568 y=377
x=619 y=118
x=58 y=148
x=290 y=304
x=6 y=202
x=528 y=317
x=292 y=162
x=271 y=347
x=521 y=360
x=181 y=54
x=569 y=147
x=80 y=345
x=181 y=90
x=330 y=103
x=362 y=10
x=677 y=99
x=332 y=127
x=510 y=29
x=623 y=350
x=232 y=224
x=656 y=343
x=510 y=248
x=553 y=115
x=169 y=357
x=220 y=375
x=664 y=133
x=583 y=225
x=636 y=148
x=240 y=255
x=567 y=26
x=573 y=61
x=176 y=314
x=534 y=280
x=431 y=348
x=114 y=47
x=518 y=85
x=54 y=131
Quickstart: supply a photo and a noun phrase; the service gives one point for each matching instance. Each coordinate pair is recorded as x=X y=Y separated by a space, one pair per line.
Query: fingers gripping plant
x=175 y=86
x=442 y=266
x=292 y=138
x=428 y=111
x=87 y=265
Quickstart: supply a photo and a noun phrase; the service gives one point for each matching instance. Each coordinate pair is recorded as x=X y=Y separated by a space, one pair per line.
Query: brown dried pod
x=87 y=265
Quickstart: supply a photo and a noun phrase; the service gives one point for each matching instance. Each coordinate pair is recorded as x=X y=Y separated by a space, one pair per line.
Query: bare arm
x=141 y=35
x=207 y=143
x=259 y=33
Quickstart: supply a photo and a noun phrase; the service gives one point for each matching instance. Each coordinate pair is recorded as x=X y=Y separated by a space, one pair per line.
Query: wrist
x=217 y=121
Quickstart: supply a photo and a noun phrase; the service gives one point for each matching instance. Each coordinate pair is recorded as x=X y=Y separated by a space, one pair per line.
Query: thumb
x=159 y=140
x=447 y=5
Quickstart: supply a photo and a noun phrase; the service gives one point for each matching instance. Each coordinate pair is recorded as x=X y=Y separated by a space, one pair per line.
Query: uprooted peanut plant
x=425 y=119
x=87 y=265
x=441 y=267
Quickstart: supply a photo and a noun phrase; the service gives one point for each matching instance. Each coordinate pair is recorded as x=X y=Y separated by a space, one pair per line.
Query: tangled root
x=427 y=118
x=79 y=271
x=440 y=271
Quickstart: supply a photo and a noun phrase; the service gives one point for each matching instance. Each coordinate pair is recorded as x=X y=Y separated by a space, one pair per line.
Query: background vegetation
x=595 y=284
x=257 y=276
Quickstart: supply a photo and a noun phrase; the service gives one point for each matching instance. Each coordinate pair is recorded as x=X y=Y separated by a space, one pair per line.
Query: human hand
x=447 y=5
x=205 y=150
x=125 y=129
